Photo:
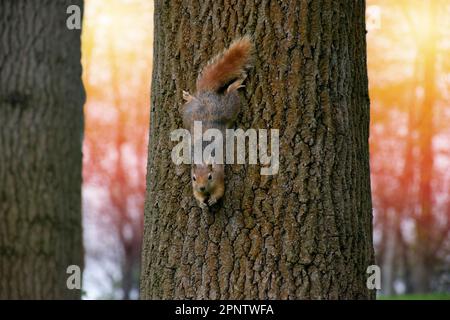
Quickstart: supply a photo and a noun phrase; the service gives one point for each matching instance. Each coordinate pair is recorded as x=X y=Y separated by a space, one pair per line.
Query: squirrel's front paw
x=202 y=205
x=212 y=201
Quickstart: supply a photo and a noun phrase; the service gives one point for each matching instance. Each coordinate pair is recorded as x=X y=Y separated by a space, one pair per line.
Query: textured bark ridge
x=305 y=233
x=41 y=98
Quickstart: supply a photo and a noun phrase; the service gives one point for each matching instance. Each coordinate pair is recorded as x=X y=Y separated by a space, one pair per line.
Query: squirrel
x=216 y=104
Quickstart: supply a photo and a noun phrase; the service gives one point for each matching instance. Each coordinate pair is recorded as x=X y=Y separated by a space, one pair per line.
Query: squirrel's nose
x=202 y=189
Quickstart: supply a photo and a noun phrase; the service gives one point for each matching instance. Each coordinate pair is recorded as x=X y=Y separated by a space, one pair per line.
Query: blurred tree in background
x=410 y=150
x=117 y=58
x=41 y=125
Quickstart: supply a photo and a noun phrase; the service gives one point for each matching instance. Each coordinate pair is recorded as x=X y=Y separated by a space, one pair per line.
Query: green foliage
x=431 y=296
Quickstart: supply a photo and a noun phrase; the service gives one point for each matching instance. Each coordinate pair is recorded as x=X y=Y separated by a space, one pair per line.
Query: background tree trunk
x=425 y=217
x=304 y=233
x=41 y=125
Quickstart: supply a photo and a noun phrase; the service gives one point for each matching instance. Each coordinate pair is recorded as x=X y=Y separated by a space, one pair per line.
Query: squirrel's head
x=206 y=176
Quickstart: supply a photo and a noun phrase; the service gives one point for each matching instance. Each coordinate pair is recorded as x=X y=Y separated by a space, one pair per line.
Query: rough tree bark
x=41 y=123
x=304 y=233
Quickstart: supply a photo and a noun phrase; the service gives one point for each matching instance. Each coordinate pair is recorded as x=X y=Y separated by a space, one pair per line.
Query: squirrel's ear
x=187 y=96
x=236 y=85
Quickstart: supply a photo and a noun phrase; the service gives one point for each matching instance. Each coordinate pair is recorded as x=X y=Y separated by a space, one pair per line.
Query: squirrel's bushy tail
x=227 y=66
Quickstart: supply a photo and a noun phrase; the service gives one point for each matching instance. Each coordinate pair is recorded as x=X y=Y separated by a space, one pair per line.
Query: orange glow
x=409 y=140
x=117 y=59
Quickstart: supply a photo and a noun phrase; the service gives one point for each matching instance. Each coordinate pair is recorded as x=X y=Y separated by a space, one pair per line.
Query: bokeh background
x=117 y=59
x=408 y=48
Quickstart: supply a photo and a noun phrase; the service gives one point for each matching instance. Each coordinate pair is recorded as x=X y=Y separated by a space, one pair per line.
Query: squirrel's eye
x=193 y=178
x=209 y=176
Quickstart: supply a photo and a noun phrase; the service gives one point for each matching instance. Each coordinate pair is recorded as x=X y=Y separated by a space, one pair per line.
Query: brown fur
x=216 y=104
x=207 y=190
x=226 y=67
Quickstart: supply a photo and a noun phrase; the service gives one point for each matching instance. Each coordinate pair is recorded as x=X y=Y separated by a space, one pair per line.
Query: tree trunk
x=41 y=125
x=305 y=233
x=389 y=267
